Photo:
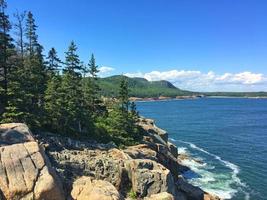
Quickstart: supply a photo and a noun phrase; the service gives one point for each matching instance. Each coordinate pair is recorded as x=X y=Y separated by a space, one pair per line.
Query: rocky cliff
x=52 y=167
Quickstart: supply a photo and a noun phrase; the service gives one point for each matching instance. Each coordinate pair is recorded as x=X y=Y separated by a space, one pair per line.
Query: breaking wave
x=216 y=176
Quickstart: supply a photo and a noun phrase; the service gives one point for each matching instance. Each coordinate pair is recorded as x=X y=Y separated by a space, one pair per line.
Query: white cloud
x=199 y=81
x=104 y=70
x=248 y=78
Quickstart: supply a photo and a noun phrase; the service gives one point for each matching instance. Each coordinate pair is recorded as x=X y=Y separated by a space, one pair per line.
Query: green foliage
x=53 y=62
x=65 y=104
x=6 y=53
x=54 y=102
x=124 y=95
x=120 y=126
x=37 y=92
x=31 y=35
x=91 y=90
x=120 y=123
x=72 y=61
x=132 y=194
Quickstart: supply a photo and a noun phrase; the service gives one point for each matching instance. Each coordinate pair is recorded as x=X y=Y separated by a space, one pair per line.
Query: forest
x=60 y=96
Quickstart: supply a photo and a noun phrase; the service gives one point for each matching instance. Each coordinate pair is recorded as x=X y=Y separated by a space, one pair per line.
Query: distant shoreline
x=138 y=99
x=244 y=97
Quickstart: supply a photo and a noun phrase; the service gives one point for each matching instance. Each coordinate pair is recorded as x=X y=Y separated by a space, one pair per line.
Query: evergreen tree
x=34 y=92
x=6 y=52
x=120 y=123
x=92 y=90
x=72 y=62
x=54 y=103
x=53 y=62
x=124 y=95
x=53 y=94
x=76 y=117
x=31 y=35
x=28 y=83
x=93 y=68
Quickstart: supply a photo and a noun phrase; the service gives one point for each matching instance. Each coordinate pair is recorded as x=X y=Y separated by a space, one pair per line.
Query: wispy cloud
x=210 y=81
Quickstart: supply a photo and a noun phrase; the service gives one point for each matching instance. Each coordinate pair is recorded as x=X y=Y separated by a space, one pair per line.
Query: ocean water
x=227 y=136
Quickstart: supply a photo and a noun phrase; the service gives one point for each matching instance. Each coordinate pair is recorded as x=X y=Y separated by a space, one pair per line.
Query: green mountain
x=140 y=87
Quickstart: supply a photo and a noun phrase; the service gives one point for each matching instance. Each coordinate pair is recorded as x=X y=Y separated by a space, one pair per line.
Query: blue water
x=228 y=135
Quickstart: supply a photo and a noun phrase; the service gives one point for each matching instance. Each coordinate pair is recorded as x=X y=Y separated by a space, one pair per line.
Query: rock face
x=88 y=170
x=99 y=164
x=14 y=133
x=149 y=177
x=158 y=153
x=25 y=172
x=141 y=151
x=193 y=192
x=173 y=149
x=86 y=189
x=158 y=134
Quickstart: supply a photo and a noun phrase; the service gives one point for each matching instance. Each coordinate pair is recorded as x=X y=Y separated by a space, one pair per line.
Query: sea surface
x=227 y=136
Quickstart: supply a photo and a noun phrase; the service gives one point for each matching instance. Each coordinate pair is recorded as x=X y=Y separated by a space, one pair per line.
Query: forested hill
x=140 y=87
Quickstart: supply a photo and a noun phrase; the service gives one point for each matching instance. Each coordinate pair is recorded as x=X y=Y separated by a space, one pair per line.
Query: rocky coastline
x=51 y=167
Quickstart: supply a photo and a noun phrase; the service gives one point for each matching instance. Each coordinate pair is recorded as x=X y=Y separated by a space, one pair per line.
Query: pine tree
x=92 y=90
x=54 y=103
x=124 y=95
x=53 y=94
x=93 y=68
x=76 y=117
x=14 y=93
x=6 y=52
x=120 y=123
x=72 y=62
x=53 y=62
x=31 y=35
x=28 y=83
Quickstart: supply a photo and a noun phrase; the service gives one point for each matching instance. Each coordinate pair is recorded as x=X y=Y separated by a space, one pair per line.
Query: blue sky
x=206 y=45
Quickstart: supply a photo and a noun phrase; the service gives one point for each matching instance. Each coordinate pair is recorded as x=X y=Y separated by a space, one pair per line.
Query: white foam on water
x=173 y=140
x=247 y=196
x=182 y=150
x=214 y=183
x=207 y=181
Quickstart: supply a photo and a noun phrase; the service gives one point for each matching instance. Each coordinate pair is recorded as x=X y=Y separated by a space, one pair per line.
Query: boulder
x=141 y=151
x=25 y=173
x=14 y=133
x=157 y=133
x=160 y=196
x=105 y=168
x=149 y=177
x=84 y=188
x=159 y=153
x=105 y=165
